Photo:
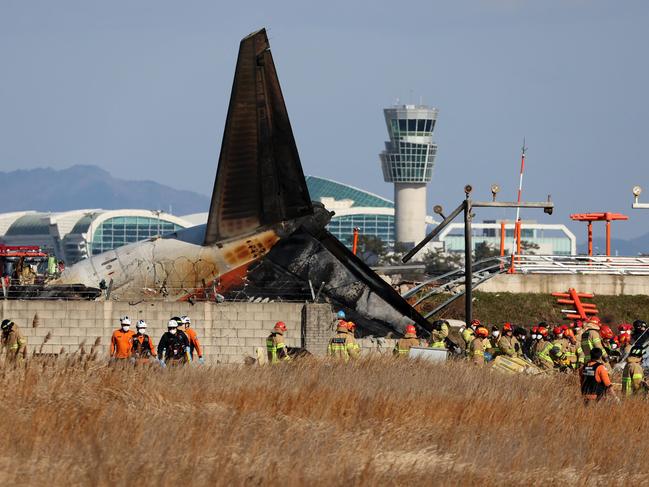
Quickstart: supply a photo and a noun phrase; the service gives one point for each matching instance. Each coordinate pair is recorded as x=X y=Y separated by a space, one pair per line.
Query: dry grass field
x=376 y=422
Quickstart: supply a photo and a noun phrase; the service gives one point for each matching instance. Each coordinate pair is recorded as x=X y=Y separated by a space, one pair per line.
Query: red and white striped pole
x=517 y=231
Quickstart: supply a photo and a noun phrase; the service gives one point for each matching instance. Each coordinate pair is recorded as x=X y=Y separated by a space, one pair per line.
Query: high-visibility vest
x=544 y=354
x=628 y=377
x=272 y=348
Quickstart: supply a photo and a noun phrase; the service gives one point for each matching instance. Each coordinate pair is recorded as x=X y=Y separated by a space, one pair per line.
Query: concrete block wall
x=228 y=332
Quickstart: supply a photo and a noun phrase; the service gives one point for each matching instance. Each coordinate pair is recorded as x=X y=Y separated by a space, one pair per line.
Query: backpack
x=141 y=350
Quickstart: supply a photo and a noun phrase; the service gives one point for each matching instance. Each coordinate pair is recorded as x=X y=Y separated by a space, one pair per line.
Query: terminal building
x=407 y=162
x=74 y=235
x=551 y=239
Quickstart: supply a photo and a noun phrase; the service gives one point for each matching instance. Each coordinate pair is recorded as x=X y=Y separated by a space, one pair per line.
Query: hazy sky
x=141 y=87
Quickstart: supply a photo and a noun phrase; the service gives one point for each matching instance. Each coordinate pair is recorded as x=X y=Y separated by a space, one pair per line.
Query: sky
x=141 y=87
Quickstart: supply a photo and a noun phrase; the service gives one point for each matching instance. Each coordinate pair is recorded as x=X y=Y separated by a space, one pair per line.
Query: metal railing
x=581 y=264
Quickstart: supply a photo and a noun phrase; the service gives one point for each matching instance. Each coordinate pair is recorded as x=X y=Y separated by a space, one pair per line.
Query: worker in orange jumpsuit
x=194 y=344
x=121 y=344
x=594 y=379
x=142 y=348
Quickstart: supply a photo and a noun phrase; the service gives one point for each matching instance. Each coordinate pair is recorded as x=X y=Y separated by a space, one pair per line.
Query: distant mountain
x=78 y=187
x=631 y=247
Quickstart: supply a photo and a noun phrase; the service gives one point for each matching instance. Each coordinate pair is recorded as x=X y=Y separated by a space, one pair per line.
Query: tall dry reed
x=375 y=422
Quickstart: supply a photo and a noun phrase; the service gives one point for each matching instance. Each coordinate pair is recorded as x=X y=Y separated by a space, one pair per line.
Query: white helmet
x=125 y=320
x=185 y=320
x=141 y=324
x=172 y=324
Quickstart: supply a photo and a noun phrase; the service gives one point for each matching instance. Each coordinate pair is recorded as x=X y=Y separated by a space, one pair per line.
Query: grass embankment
x=529 y=309
x=377 y=422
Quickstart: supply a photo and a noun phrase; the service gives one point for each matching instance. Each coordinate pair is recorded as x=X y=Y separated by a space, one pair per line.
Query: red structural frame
x=607 y=217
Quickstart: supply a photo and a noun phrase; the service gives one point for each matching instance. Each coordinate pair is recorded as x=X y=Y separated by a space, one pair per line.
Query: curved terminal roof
x=327 y=188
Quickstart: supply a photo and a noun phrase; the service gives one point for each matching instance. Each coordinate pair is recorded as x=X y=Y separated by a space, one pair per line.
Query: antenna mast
x=517 y=231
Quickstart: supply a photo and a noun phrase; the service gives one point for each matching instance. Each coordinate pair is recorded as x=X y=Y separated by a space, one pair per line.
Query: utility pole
x=467 y=206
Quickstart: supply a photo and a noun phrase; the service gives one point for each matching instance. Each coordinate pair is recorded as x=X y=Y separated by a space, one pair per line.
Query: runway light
x=495 y=189
x=637 y=191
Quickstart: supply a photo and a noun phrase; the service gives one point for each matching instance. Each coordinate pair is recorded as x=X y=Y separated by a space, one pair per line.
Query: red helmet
x=351 y=326
x=557 y=330
x=475 y=323
x=507 y=327
x=577 y=324
x=543 y=331
x=411 y=330
x=535 y=329
x=564 y=328
x=482 y=332
x=280 y=326
x=625 y=328
x=595 y=319
x=606 y=332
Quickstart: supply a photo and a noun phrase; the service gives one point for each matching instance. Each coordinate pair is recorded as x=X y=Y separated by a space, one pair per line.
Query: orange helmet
x=569 y=333
x=411 y=330
x=606 y=332
x=280 y=326
x=507 y=327
x=482 y=332
x=543 y=331
x=557 y=330
x=351 y=326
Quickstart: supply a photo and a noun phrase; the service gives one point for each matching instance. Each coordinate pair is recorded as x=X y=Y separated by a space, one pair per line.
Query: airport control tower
x=407 y=161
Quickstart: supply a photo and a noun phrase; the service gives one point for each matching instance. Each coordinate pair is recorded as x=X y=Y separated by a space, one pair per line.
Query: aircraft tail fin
x=259 y=180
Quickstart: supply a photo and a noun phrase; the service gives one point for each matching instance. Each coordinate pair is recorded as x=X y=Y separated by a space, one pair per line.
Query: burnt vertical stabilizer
x=259 y=180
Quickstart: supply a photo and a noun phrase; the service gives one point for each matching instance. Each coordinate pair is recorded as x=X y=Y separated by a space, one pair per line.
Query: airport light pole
x=467 y=206
x=637 y=191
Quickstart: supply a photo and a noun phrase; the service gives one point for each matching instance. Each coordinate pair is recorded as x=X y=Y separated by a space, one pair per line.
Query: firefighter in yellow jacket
x=508 y=344
x=633 y=382
x=477 y=345
x=13 y=342
x=275 y=346
x=409 y=340
x=439 y=335
x=343 y=345
x=591 y=338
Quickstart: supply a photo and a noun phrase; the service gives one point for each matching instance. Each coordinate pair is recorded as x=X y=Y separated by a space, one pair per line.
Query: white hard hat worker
x=125 y=321
x=141 y=327
x=172 y=326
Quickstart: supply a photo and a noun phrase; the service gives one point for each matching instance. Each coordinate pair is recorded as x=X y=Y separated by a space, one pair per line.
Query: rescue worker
x=142 y=347
x=173 y=346
x=476 y=347
x=558 y=339
x=571 y=349
x=594 y=379
x=192 y=338
x=13 y=342
x=275 y=346
x=542 y=350
x=624 y=339
x=639 y=335
x=523 y=339
x=343 y=344
x=633 y=383
x=508 y=344
x=559 y=359
x=121 y=343
x=491 y=346
x=591 y=339
x=409 y=340
x=468 y=334
x=439 y=335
